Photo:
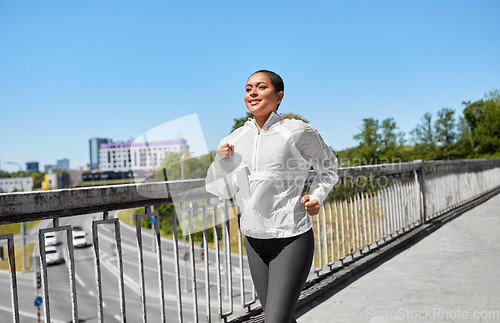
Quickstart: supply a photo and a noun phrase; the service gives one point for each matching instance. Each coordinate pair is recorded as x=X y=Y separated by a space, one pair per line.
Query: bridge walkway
x=451 y=275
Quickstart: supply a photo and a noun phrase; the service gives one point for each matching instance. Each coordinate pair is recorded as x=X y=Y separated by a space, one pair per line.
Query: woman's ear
x=281 y=94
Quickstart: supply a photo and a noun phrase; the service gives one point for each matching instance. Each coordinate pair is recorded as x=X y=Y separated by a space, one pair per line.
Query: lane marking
x=79 y=280
x=103 y=227
x=134 y=285
x=130 y=262
x=67 y=262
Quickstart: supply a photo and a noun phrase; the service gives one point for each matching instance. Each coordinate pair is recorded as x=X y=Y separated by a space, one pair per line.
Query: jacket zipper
x=256 y=151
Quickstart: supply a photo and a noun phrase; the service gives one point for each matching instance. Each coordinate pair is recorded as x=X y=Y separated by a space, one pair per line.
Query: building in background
x=84 y=167
x=137 y=156
x=55 y=180
x=32 y=166
x=49 y=167
x=63 y=164
x=75 y=178
x=21 y=184
x=94 y=147
x=109 y=178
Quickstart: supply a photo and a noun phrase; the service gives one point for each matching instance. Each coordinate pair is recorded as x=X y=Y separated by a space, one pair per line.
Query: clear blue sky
x=72 y=70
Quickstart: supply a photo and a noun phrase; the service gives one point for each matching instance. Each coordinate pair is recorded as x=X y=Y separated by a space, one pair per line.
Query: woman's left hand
x=312 y=206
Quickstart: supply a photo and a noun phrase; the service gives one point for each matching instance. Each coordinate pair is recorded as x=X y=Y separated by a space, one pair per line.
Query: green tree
x=483 y=120
x=391 y=143
x=241 y=121
x=389 y=139
x=194 y=167
x=293 y=116
x=38 y=178
x=423 y=134
x=464 y=143
x=369 y=141
x=348 y=157
x=445 y=127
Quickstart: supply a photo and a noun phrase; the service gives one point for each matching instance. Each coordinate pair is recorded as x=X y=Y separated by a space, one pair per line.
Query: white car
x=53 y=255
x=50 y=239
x=79 y=239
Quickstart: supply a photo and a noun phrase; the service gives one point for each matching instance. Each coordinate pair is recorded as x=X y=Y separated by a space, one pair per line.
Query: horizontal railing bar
x=39 y=205
x=460 y=162
x=76 y=201
x=378 y=170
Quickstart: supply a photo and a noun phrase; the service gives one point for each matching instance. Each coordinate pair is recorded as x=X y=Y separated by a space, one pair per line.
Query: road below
x=58 y=278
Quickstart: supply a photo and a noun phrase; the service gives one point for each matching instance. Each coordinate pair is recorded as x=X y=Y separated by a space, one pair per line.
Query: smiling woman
x=263 y=94
x=264 y=166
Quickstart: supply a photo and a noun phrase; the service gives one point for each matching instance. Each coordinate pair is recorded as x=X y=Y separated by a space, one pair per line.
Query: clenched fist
x=226 y=151
x=312 y=206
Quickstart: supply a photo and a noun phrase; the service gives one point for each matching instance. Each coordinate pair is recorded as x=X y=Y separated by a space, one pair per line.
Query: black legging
x=279 y=269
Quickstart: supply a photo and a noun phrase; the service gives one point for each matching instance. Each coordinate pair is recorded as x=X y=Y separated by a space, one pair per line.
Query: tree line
x=473 y=134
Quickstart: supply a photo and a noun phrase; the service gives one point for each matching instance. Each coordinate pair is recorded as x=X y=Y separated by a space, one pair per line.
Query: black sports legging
x=279 y=269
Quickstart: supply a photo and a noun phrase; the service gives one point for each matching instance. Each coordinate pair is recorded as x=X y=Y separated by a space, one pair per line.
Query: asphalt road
x=58 y=279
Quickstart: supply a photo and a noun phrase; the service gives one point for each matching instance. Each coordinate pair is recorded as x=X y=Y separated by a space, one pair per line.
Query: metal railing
x=369 y=206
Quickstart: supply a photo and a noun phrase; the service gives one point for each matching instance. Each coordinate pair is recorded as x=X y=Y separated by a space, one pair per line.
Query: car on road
x=77 y=228
x=50 y=239
x=53 y=255
x=79 y=239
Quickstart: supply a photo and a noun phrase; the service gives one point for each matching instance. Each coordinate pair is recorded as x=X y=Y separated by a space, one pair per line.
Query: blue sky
x=72 y=70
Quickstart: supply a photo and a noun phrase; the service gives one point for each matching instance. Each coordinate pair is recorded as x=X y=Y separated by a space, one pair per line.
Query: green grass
x=15 y=228
x=18 y=254
x=113 y=181
x=124 y=215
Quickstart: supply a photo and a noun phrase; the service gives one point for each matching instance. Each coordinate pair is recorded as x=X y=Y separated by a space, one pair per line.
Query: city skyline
x=73 y=71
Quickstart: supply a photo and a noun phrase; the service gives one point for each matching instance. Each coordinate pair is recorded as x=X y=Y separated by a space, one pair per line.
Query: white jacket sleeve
x=221 y=178
x=226 y=177
x=314 y=150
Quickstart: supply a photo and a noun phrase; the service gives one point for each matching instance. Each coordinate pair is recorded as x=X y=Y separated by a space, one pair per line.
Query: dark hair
x=276 y=80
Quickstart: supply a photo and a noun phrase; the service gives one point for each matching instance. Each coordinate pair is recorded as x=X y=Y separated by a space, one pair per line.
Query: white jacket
x=267 y=175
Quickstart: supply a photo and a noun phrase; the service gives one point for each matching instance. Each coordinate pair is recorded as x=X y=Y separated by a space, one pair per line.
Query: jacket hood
x=273 y=118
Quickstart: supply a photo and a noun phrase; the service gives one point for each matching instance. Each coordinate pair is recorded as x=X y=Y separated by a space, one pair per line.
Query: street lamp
x=23 y=225
x=20 y=172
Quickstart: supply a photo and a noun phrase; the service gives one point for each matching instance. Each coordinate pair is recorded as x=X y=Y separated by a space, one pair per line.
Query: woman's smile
x=254 y=101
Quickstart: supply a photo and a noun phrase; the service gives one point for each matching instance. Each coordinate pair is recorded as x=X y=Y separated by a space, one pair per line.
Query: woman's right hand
x=226 y=151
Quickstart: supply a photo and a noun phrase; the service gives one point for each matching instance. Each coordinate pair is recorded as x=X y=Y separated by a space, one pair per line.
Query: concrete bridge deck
x=451 y=275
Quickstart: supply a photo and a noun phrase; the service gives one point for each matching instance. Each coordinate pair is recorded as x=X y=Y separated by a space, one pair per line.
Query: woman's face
x=260 y=96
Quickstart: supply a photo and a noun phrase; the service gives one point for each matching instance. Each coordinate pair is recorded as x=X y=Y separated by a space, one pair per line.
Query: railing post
x=421 y=184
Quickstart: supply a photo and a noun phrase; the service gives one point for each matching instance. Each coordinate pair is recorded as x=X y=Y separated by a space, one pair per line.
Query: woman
x=264 y=165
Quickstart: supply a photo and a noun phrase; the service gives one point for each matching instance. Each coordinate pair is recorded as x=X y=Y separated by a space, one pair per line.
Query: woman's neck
x=261 y=121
